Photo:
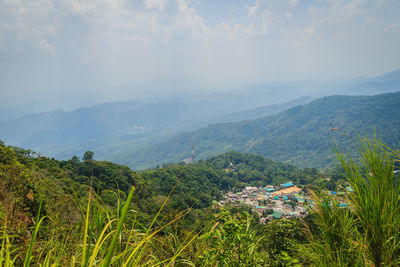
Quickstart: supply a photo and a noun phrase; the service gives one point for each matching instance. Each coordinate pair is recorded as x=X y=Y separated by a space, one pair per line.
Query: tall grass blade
x=85 y=234
x=36 y=229
x=119 y=227
x=28 y=257
x=100 y=242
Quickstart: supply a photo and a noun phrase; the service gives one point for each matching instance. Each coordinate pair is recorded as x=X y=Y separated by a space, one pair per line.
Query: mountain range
x=111 y=127
x=117 y=130
x=303 y=135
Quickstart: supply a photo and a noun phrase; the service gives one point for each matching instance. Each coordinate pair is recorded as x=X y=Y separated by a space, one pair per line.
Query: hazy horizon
x=70 y=103
x=69 y=54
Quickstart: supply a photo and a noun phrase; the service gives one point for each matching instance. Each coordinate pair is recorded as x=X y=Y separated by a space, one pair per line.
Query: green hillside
x=64 y=184
x=67 y=213
x=301 y=136
x=33 y=186
x=200 y=183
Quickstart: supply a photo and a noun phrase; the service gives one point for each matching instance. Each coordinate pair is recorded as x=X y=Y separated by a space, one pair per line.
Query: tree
x=75 y=159
x=88 y=156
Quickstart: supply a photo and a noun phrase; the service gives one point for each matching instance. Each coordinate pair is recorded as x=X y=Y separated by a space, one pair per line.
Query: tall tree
x=88 y=155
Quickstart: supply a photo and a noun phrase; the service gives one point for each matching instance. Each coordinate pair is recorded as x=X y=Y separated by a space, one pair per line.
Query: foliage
x=376 y=200
x=232 y=242
x=282 y=236
x=368 y=234
x=48 y=219
x=99 y=223
x=84 y=213
x=198 y=184
x=332 y=234
x=87 y=156
x=114 y=241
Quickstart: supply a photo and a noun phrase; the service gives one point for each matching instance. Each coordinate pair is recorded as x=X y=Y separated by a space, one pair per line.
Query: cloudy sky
x=73 y=52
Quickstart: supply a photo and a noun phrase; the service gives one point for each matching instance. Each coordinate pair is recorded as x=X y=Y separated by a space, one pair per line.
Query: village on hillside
x=274 y=202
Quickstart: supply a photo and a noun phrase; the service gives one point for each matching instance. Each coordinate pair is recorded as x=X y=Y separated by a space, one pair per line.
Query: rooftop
x=288 y=184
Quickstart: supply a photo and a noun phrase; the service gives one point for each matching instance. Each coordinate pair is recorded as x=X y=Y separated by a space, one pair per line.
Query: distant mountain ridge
x=303 y=135
x=111 y=127
x=88 y=126
x=386 y=83
x=262 y=111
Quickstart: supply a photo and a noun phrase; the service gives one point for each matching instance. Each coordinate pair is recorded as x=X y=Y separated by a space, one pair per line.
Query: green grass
x=368 y=233
x=117 y=243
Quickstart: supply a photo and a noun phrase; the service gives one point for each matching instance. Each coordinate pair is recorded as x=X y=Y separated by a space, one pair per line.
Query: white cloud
x=133 y=41
x=29 y=18
x=258 y=26
x=45 y=46
x=142 y=23
x=346 y=11
x=252 y=10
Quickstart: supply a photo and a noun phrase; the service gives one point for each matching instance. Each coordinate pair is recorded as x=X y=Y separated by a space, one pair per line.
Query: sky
x=70 y=53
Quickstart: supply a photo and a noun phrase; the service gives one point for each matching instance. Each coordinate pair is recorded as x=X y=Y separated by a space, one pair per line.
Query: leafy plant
x=232 y=242
x=367 y=233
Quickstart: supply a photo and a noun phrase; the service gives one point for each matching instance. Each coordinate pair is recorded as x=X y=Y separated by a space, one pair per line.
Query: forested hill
x=27 y=180
x=303 y=135
x=203 y=181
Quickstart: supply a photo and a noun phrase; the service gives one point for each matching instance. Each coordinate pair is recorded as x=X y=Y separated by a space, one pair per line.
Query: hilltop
x=303 y=135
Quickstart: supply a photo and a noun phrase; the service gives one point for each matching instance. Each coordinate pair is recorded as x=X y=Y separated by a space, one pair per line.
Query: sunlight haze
x=69 y=53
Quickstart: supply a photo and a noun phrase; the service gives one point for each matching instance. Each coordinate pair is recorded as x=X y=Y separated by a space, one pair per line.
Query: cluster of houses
x=272 y=202
x=284 y=201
